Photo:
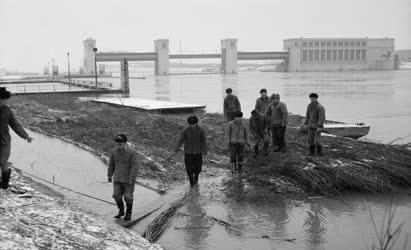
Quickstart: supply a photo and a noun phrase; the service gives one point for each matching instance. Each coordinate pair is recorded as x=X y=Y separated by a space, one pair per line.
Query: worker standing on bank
x=195 y=146
x=314 y=121
x=231 y=105
x=277 y=114
x=258 y=128
x=123 y=165
x=262 y=102
x=237 y=138
x=7 y=119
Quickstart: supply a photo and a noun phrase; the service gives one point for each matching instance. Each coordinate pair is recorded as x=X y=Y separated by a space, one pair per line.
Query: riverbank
x=33 y=216
x=348 y=165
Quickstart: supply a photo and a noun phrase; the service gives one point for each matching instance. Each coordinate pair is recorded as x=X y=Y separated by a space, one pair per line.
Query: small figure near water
x=123 y=166
x=7 y=119
x=277 y=114
x=258 y=128
x=237 y=140
x=231 y=105
x=195 y=146
x=314 y=121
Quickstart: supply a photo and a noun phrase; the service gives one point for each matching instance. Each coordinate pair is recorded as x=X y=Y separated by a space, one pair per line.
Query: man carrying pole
x=123 y=165
x=7 y=119
x=195 y=146
x=314 y=120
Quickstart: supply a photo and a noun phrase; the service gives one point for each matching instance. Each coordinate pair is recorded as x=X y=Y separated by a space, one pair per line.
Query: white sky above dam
x=33 y=32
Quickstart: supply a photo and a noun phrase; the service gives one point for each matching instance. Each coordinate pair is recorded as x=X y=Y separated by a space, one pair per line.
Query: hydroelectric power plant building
x=340 y=54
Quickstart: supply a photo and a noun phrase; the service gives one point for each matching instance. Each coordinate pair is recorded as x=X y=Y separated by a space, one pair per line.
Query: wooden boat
x=354 y=131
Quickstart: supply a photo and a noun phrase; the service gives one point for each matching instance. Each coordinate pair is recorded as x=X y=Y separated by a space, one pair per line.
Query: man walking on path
x=237 y=138
x=123 y=165
x=231 y=105
x=195 y=146
x=277 y=114
x=258 y=128
x=314 y=120
x=7 y=119
x=262 y=102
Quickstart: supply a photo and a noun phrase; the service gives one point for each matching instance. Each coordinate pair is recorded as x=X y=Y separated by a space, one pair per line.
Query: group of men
x=270 y=116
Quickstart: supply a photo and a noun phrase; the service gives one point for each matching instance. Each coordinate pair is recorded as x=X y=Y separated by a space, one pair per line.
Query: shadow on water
x=210 y=220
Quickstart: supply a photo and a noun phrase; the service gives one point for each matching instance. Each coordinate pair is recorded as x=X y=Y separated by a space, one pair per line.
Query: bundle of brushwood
x=160 y=223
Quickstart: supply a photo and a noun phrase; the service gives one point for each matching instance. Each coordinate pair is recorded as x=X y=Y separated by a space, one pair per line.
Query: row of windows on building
x=333 y=44
x=334 y=55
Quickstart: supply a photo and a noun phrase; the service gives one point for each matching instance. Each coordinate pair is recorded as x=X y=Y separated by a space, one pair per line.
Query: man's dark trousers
x=278 y=133
x=237 y=154
x=193 y=163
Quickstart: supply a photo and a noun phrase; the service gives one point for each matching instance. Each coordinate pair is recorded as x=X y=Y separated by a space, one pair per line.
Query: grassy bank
x=348 y=165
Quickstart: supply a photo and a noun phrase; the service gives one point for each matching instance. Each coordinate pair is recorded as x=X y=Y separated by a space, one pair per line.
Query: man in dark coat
x=7 y=119
x=195 y=146
x=258 y=128
x=231 y=105
x=237 y=140
x=262 y=102
x=123 y=165
x=314 y=121
x=277 y=114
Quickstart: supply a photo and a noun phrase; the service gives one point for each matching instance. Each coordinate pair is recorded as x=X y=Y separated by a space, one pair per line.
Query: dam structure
x=161 y=56
x=297 y=55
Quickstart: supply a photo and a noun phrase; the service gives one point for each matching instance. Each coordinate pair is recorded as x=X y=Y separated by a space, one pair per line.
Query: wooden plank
x=151 y=105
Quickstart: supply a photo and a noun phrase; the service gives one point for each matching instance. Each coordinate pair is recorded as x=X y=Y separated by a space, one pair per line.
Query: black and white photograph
x=205 y=124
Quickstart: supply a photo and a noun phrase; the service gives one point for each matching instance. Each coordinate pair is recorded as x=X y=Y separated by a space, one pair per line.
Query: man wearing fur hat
x=123 y=165
x=314 y=120
x=195 y=146
x=7 y=119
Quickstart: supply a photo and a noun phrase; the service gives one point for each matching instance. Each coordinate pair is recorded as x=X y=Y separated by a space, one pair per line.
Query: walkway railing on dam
x=55 y=86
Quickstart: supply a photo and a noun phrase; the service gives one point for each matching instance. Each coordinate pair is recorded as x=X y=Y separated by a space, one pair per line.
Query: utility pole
x=95 y=64
x=68 y=66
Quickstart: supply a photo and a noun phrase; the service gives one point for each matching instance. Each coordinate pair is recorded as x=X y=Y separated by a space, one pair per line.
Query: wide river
x=381 y=99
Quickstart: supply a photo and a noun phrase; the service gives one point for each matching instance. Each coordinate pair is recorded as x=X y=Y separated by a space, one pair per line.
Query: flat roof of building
x=337 y=38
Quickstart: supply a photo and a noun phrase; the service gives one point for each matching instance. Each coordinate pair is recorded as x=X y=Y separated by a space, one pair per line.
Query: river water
x=319 y=223
x=381 y=99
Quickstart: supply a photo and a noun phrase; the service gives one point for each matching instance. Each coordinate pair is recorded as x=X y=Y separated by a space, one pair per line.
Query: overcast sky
x=33 y=32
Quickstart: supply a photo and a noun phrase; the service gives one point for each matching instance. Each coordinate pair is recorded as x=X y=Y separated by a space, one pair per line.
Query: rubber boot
x=266 y=145
x=319 y=150
x=255 y=151
x=5 y=178
x=312 y=149
x=191 y=180
x=120 y=206
x=129 y=211
x=195 y=179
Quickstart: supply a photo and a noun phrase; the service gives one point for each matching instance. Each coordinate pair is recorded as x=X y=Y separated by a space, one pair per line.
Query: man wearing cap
x=237 y=139
x=262 y=102
x=258 y=128
x=277 y=114
x=231 y=105
x=123 y=165
x=7 y=119
x=195 y=146
x=314 y=120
